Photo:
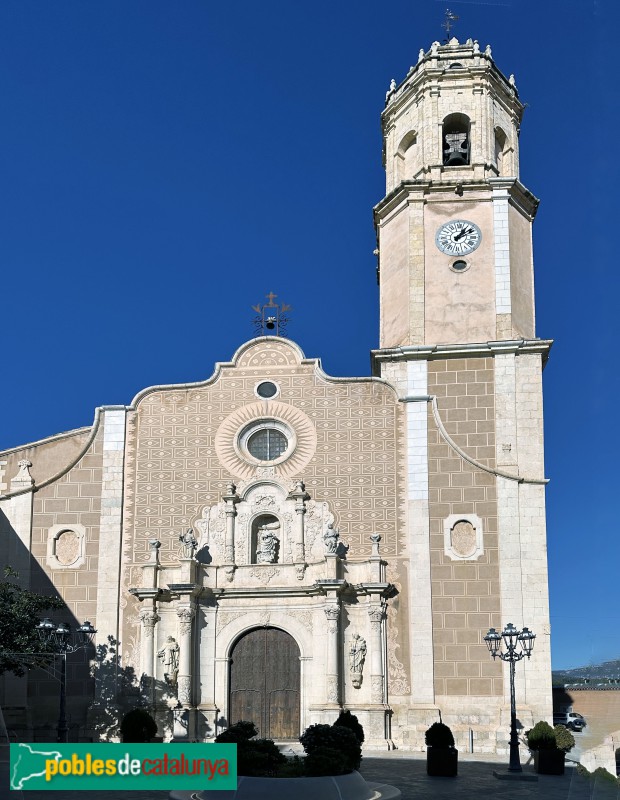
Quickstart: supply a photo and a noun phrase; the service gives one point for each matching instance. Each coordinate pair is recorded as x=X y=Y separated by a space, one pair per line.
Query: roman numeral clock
x=458 y=237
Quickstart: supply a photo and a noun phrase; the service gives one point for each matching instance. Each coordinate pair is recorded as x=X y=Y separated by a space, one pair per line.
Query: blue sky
x=165 y=165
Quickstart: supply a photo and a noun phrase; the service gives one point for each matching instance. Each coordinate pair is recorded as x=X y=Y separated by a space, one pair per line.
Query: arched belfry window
x=406 y=156
x=501 y=146
x=455 y=140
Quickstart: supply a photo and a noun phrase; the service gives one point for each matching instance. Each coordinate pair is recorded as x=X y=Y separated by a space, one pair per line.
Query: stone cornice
x=420 y=190
x=437 y=351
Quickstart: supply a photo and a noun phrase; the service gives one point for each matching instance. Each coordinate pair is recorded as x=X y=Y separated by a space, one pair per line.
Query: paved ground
x=408 y=773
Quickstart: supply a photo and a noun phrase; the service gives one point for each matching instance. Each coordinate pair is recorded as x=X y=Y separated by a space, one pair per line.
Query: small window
x=266 y=389
x=267 y=444
x=460 y=265
x=266 y=440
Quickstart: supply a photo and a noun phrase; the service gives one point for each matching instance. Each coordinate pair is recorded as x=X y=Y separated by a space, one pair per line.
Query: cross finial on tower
x=448 y=23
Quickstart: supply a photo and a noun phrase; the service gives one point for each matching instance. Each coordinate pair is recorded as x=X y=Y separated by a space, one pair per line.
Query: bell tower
x=454 y=230
x=458 y=342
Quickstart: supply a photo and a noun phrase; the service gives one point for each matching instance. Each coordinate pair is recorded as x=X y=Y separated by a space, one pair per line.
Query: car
x=570 y=719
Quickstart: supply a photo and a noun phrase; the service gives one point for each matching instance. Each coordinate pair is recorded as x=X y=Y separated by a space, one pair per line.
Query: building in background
x=274 y=543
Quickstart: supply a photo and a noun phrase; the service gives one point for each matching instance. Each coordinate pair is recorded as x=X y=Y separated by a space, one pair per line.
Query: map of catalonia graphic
x=30 y=754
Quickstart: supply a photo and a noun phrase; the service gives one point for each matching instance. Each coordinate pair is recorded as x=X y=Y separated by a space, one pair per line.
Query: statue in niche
x=357 y=656
x=169 y=654
x=189 y=543
x=266 y=549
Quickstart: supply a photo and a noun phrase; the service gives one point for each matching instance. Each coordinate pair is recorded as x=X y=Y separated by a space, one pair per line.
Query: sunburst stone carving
x=227 y=436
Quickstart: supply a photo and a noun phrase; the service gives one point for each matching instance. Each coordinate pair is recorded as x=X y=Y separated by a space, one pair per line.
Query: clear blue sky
x=163 y=165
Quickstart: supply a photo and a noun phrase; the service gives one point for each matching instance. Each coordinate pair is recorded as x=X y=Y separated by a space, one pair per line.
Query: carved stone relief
x=399 y=684
x=463 y=537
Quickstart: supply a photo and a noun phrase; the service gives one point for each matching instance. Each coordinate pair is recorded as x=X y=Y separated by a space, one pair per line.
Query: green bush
x=439 y=735
x=541 y=737
x=325 y=761
x=564 y=739
x=602 y=774
x=350 y=721
x=241 y=731
x=334 y=737
x=258 y=758
x=138 y=726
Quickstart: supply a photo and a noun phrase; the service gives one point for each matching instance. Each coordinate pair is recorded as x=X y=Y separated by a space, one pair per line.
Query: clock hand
x=462 y=233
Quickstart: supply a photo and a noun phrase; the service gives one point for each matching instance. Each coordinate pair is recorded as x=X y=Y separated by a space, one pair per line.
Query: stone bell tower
x=457 y=339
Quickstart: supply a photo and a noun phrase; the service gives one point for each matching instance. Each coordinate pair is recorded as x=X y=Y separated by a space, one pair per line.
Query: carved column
x=149 y=618
x=332 y=612
x=299 y=495
x=376 y=655
x=231 y=498
x=184 y=680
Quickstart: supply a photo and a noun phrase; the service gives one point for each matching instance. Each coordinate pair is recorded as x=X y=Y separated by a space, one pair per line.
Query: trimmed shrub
x=325 y=761
x=333 y=737
x=350 y=721
x=241 y=731
x=564 y=739
x=602 y=774
x=439 y=735
x=138 y=726
x=258 y=758
x=541 y=737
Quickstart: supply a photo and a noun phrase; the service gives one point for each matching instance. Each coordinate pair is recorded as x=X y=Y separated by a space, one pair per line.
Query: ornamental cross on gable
x=271 y=318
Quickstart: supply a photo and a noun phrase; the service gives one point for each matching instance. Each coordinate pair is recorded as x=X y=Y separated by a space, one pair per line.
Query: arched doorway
x=264 y=683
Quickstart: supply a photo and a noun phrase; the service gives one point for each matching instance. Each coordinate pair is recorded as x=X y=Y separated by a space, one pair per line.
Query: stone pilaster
x=299 y=496
x=110 y=523
x=377 y=679
x=186 y=616
x=332 y=612
x=148 y=618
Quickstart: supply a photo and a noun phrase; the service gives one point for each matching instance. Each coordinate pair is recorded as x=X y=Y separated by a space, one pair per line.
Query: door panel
x=265 y=683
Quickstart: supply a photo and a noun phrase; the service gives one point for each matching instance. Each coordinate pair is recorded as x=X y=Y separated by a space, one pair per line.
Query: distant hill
x=607 y=672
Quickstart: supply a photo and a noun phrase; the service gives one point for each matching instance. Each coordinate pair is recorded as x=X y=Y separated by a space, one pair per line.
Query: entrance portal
x=264 y=683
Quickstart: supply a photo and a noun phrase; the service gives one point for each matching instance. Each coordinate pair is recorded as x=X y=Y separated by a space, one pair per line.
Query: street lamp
x=513 y=639
x=65 y=641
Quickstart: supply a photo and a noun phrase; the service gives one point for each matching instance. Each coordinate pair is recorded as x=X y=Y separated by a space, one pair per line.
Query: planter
x=549 y=762
x=442 y=762
x=339 y=787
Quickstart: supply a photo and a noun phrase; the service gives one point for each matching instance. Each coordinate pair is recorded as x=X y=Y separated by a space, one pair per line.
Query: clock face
x=458 y=237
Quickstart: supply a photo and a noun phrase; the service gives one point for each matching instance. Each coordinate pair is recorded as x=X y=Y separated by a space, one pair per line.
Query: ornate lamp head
x=493 y=641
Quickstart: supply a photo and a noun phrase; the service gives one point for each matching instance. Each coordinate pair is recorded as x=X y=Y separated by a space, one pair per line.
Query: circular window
x=266 y=389
x=266 y=440
x=267 y=444
x=459 y=265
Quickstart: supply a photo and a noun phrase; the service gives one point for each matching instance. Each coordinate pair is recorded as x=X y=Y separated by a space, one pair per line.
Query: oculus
x=235 y=439
x=266 y=389
x=266 y=441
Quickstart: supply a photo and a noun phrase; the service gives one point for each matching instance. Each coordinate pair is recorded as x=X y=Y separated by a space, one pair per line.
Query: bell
x=455 y=159
x=270 y=323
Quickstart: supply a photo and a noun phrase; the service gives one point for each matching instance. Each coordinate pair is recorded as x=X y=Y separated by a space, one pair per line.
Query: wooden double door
x=265 y=683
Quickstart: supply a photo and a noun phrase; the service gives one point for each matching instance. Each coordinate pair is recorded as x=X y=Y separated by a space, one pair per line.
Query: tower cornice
x=459 y=350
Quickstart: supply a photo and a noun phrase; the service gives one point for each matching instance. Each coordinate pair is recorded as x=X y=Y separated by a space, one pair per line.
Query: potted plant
x=138 y=726
x=441 y=755
x=549 y=747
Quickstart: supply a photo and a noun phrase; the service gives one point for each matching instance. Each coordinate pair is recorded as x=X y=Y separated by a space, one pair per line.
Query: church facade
x=276 y=544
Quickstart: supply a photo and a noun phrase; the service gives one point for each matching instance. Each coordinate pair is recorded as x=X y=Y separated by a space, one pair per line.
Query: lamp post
x=513 y=639
x=65 y=641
